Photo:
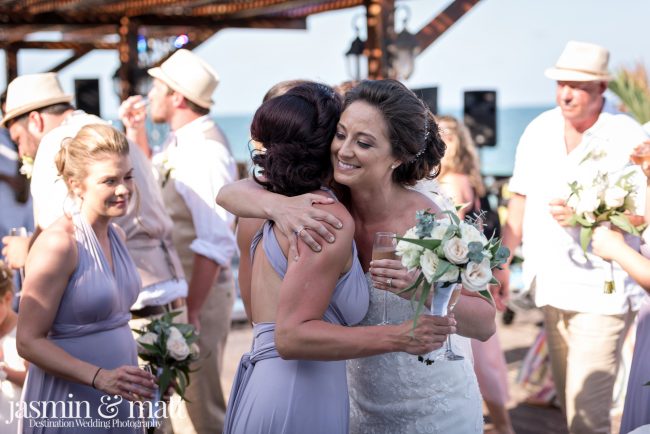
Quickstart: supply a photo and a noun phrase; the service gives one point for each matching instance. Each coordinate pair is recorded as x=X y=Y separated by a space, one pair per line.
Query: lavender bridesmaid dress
x=272 y=395
x=637 y=400
x=91 y=324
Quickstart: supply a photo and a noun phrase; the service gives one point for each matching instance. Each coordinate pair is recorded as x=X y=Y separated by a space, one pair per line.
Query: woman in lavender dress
x=611 y=245
x=294 y=378
x=74 y=311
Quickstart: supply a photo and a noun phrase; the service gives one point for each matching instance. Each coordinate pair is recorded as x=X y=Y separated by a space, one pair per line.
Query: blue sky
x=503 y=45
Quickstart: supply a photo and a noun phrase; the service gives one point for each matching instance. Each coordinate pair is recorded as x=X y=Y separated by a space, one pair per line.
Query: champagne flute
x=449 y=352
x=641 y=154
x=383 y=247
x=19 y=232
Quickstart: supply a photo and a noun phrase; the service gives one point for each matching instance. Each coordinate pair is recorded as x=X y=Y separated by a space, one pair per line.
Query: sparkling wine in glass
x=641 y=154
x=449 y=352
x=19 y=232
x=383 y=247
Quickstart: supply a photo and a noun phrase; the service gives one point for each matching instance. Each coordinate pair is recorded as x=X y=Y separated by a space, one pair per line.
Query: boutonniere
x=27 y=166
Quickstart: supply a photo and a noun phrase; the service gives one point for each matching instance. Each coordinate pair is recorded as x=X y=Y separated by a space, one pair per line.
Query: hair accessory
x=326 y=90
x=427 y=133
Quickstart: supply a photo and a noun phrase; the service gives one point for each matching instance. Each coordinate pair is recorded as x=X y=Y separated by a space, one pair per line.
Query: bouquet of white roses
x=169 y=348
x=448 y=250
x=607 y=198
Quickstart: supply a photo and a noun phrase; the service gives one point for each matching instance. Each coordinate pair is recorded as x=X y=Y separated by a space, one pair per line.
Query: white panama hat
x=32 y=92
x=581 y=61
x=189 y=75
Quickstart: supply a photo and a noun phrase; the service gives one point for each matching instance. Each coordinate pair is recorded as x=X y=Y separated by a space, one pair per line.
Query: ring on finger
x=389 y=282
x=299 y=230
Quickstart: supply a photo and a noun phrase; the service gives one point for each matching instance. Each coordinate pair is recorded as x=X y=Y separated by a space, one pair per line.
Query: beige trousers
x=206 y=410
x=585 y=353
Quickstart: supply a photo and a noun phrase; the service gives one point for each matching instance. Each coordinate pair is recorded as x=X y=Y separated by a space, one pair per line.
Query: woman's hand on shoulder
x=308 y=217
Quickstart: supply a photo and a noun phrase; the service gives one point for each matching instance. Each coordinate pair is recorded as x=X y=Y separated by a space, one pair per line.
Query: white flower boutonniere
x=27 y=166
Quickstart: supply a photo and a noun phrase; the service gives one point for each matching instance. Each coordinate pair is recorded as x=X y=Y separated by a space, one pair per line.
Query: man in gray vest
x=194 y=165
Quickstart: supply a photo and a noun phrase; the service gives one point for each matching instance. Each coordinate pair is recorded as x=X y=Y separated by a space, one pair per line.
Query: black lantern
x=403 y=50
x=355 y=54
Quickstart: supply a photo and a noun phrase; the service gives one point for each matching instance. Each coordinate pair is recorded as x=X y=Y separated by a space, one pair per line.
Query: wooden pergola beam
x=441 y=23
x=58 y=45
x=53 y=19
x=379 y=15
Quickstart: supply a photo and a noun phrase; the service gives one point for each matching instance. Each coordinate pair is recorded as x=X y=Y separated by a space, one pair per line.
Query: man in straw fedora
x=39 y=117
x=195 y=163
x=585 y=326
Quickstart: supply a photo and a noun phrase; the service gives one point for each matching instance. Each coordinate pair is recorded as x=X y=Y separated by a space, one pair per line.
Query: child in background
x=13 y=369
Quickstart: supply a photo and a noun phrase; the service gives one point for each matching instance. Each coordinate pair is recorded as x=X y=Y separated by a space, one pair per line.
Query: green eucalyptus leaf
x=623 y=222
x=427 y=244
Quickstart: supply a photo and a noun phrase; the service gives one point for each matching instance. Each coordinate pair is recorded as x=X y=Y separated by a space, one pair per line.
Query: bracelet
x=94 y=378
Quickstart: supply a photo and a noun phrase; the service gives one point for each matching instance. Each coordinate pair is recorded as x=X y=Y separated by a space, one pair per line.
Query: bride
x=386 y=140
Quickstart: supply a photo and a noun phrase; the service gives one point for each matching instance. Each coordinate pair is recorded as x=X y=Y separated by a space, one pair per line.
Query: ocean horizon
x=496 y=161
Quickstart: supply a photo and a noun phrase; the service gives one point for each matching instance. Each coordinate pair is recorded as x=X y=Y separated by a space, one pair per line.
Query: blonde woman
x=80 y=282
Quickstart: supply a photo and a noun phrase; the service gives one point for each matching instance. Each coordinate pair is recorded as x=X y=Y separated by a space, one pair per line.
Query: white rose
x=470 y=234
x=589 y=201
x=429 y=262
x=456 y=251
x=148 y=338
x=409 y=252
x=440 y=228
x=176 y=345
x=615 y=196
x=475 y=277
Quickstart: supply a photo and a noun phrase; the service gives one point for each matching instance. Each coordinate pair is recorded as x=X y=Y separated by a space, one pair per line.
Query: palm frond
x=631 y=86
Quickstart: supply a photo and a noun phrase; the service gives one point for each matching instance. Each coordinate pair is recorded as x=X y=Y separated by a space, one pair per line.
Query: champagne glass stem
x=384 y=319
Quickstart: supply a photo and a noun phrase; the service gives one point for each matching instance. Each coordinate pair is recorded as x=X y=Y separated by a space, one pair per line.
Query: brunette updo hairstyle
x=296 y=130
x=412 y=129
x=91 y=143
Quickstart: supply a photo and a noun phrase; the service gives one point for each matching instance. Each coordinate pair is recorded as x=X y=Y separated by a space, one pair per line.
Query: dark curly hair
x=412 y=129
x=296 y=130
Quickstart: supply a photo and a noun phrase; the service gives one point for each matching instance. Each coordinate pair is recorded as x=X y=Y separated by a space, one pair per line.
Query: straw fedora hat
x=581 y=61
x=189 y=75
x=32 y=92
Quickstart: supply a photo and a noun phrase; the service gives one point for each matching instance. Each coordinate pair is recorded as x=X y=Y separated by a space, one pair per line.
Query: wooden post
x=11 y=63
x=380 y=22
x=128 y=52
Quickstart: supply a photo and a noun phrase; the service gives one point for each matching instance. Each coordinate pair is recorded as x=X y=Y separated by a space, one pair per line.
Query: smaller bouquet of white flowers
x=608 y=198
x=169 y=348
x=449 y=251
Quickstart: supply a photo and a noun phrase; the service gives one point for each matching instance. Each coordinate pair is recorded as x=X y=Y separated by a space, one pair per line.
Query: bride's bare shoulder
x=419 y=201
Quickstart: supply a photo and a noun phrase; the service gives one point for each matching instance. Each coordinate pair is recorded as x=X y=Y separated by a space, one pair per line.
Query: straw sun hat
x=189 y=75
x=581 y=61
x=32 y=92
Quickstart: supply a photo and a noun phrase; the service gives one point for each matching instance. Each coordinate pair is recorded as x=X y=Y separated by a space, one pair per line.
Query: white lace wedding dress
x=395 y=393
